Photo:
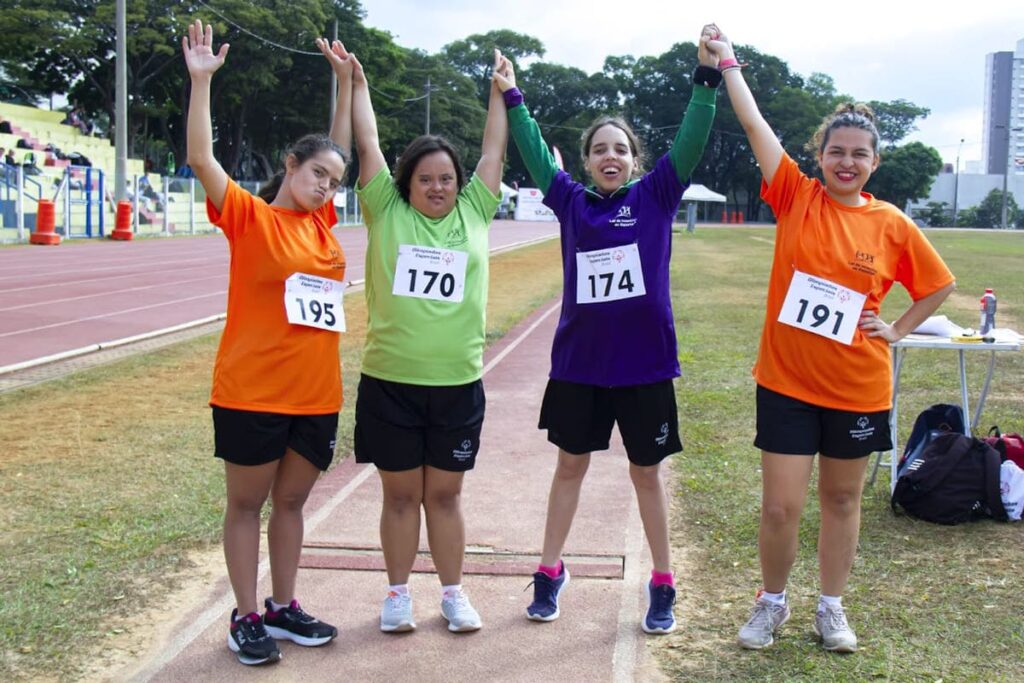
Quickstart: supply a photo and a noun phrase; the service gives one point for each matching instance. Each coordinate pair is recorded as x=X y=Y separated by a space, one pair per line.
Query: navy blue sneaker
x=545 y=595
x=291 y=623
x=248 y=639
x=660 y=618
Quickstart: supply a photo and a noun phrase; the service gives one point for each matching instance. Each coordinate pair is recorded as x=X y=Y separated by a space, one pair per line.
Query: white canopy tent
x=698 y=193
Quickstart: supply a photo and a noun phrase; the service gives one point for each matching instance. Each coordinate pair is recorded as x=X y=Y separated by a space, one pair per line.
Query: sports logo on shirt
x=863 y=262
x=624 y=218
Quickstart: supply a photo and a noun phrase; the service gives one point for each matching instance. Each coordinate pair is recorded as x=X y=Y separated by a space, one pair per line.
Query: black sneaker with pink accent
x=291 y=623
x=248 y=639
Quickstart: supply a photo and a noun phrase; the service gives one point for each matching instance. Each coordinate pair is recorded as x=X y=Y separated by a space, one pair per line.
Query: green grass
x=108 y=482
x=928 y=602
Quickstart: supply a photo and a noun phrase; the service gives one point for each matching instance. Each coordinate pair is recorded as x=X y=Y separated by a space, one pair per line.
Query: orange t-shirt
x=264 y=363
x=865 y=249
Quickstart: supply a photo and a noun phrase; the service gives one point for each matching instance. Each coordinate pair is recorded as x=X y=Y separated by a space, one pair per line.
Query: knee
x=291 y=501
x=443 y=501
x=245 y=506
x=840 y=502
x=646 y=478
x=402 y=502
x=571 y=469
x=779 y=513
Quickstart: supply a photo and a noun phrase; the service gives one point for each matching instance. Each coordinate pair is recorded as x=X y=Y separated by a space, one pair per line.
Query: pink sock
x=553 y=572
x=662 y=578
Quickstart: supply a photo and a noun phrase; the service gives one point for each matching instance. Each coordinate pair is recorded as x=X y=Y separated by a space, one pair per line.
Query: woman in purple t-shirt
x=614 y=356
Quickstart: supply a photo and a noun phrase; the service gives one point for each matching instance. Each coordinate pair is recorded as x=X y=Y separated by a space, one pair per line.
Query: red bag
x=1010 y=446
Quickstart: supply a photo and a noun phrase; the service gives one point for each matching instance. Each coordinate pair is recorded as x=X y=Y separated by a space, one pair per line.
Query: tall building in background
x=1002 y=147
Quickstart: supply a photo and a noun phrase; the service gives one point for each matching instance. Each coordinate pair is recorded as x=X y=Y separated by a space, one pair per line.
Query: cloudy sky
x=910 y=49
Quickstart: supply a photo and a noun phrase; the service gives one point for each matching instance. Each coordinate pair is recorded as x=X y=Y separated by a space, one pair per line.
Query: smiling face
x=847 y=161
x=313 y=182
x=610 y=159
x=434 y=185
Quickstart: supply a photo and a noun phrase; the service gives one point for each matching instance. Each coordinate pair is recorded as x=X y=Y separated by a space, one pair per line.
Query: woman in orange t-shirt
x=277 y=378
x=823 y=368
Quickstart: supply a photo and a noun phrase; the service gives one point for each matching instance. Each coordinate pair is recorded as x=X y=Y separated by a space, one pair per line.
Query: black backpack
x=954 y=479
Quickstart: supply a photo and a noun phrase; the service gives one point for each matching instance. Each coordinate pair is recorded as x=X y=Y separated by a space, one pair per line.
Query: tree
x=474 y=55
x=896 y=120
x=936 y=214
x=905 y=174
x=989 y=214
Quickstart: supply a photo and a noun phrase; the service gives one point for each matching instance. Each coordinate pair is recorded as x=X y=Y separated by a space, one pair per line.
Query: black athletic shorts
x=579 y=418
x=401 y=427
x=246 y=437
x=787 y=425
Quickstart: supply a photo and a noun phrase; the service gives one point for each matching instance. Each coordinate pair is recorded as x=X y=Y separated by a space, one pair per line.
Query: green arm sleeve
x=688 y=147
x=539 y=161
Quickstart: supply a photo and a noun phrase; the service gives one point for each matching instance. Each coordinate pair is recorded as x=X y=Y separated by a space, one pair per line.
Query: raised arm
x=201 y=61
x=364 y=125
x=692 y=136
x=525 y=131
x=765 y=145
x=341 y=63
x=492 y=150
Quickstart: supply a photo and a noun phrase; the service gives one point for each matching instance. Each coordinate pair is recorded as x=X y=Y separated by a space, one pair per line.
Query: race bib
x=821 y=306
x=608 y=275
x=314 y=302
x=430 y=273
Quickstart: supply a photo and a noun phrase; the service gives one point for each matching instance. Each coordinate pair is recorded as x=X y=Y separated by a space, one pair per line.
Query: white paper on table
x=940 y=326
x=1005 y=334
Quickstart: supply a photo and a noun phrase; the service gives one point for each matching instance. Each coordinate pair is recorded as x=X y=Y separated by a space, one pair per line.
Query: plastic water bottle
x=988 y=311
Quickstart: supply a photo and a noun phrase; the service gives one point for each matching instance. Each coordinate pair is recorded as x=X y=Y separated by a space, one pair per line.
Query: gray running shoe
x=460 y=614
x=396 y=613
x=836 y=635
x=765 y=619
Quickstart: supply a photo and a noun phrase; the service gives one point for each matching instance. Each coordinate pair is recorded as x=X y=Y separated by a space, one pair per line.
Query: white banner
x=529 y=206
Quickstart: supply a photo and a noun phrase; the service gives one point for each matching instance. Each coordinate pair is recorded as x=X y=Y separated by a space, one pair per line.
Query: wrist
x=513 y=97
x=728 y=63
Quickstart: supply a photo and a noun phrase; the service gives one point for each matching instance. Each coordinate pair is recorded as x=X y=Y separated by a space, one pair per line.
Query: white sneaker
x=836 y=635
x=460 y=614
x=396 y=613
x=765 y=619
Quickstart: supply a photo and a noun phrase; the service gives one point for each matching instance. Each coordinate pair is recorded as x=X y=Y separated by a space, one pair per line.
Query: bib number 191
x=822 y=307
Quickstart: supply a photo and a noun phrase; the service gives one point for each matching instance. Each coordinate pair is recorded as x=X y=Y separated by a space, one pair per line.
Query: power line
x=258 y=37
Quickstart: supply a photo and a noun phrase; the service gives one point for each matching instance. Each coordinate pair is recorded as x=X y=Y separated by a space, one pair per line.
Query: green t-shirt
x=412 y=338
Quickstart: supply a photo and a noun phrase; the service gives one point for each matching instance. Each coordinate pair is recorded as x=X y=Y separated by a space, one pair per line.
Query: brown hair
x=634 y=142
x=419 y=148
x=304 y=148
x=846 y=115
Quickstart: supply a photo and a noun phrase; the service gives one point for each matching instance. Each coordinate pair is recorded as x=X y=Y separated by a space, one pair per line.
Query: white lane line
x=15 y=333
x=204 y=262
x=215 y=612
x=625 y=657
x=50 y=302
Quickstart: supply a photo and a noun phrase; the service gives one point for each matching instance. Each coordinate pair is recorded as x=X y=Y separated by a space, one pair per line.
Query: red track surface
x=82 y=293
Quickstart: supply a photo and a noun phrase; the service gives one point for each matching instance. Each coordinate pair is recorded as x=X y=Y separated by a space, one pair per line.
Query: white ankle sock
x=277 y=607
x=451 y=591
x=400 y=588
x=829 y=601
x=774 y=598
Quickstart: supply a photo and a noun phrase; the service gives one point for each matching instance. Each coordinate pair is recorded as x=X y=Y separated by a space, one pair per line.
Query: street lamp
x=956 y=181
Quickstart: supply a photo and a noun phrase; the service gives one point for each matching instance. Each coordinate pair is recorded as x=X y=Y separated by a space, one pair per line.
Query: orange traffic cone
x=725 y=216
x=123 y=221
x=740 y=218
x=45 y=222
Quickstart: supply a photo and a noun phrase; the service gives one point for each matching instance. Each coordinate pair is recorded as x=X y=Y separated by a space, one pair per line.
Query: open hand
x=198 y=49
x=338 y=56
x=504 y=75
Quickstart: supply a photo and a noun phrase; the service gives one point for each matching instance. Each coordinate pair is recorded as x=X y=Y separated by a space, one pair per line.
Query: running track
x=54 y=300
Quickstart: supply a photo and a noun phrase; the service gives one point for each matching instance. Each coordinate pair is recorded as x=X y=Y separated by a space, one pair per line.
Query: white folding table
x=924 y=341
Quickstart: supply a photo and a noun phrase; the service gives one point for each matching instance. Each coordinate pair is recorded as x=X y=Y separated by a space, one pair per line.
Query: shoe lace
x=761 y=615
x=836 y=619
x=543 y=585
x=397 y=601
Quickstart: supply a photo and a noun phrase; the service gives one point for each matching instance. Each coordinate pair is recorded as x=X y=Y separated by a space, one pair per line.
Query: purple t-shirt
x=626 y=341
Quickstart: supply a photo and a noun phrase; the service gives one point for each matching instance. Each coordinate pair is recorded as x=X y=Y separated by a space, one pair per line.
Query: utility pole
x=956 y=182
x=120 y=107
x=427 y=131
